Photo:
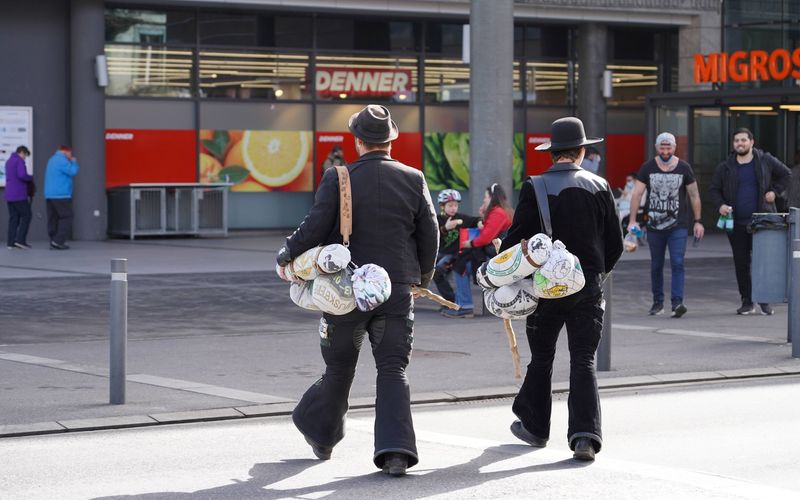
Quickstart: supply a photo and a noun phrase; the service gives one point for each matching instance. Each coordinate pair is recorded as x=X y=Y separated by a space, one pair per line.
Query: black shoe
x=747 y=308
x=521 y=433
x=395 y=464
x=57 y=246
x=321 y=452
x=460 y=313
x=24 y=246
x=678 y=310
x=766 y=309
x=656 y=309
x=584 y=449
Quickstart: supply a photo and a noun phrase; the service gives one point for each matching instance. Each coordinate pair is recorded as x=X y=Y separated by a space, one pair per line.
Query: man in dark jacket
x=394 y=226
x=585 y=219
x=746 y=183
x=18 y=186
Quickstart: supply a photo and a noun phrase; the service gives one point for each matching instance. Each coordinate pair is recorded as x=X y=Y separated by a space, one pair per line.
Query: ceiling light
x=750 y=108
x=278 y=92
x=342 y=96
x=791 y=107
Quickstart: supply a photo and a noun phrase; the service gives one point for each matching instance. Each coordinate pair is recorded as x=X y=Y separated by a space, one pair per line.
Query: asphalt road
x=720 y=441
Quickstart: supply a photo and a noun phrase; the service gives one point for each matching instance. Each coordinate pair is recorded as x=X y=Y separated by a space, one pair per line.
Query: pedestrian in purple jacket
x=19 y=207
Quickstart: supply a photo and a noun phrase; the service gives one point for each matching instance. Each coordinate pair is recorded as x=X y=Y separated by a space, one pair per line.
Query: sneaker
x=656 y=309
x=520 y=432
x=747 y=308
x=57 y=246
x=395 y=464
x=766 y=309
x=460 y=313
x=23 y=246
x=678 y=310
x=584 y=449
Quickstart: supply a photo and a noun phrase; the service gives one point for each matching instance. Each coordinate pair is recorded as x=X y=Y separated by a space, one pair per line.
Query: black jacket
x=394 y=222
x=582 y=214
x=448 y=239
x=772 y=175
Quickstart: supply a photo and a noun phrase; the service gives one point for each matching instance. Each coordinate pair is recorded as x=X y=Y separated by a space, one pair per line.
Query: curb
x=283 y=409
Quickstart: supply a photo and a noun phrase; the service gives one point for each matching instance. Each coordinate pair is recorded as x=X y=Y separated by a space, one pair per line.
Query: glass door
x=709 y=146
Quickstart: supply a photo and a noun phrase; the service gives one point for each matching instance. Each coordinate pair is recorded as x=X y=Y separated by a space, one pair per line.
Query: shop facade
x=258 y=95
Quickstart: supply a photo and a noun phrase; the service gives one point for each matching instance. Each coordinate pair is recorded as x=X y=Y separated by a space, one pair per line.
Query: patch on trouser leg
x=325 y=331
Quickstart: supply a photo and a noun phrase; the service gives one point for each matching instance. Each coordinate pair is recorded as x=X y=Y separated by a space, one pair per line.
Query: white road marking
x=697 y=333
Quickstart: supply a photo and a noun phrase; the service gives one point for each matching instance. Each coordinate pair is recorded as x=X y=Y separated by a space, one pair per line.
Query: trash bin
x=770 y=267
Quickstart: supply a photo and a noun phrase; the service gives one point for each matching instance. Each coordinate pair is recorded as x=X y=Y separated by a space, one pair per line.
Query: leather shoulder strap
x=540 y=188
x=345 y=205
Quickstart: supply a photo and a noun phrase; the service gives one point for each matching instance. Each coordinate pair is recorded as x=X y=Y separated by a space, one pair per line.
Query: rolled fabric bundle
x=514 y=301
x=333 y=258
x=560 y=276
x=308 y=265
x=333 y=293
x=515 y=263
x=371 y=286
x=301 y=294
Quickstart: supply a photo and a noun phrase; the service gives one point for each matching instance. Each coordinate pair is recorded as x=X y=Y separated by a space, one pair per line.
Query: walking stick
x=512 y=338
x=424 y=292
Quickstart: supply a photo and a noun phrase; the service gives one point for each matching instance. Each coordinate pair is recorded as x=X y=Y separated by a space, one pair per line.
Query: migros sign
x=741 y=66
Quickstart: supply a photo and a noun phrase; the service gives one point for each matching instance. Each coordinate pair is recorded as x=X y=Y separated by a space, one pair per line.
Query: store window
x=254 y=30
x=546 y=42
x=377 y=78
x=630 y=83
x=253 y=74
x=446 y=80
x=444 y=38
x=149 y=26
x=547 y=83
x=337 y=33
x=149 y=71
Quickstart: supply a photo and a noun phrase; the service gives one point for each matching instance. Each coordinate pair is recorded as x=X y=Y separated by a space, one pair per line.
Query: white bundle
x=301 y=294
x=514 y=301
x=515 y=263
x=308 y=265
x=333 y=293
x=371 y=286
x=560 y=276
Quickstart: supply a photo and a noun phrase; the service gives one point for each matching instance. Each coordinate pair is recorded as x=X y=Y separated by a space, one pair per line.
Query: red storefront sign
x=362 y=81
x=157 y=156
x=741 y=66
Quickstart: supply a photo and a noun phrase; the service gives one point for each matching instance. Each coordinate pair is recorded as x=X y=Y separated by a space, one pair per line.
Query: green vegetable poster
x=446 y=162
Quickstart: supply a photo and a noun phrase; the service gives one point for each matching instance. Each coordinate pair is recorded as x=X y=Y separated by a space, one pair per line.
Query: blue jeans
x=464 y=288
x=659 y=241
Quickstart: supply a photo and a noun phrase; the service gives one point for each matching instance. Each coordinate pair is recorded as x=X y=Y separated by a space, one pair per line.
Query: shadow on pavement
x=373 y=485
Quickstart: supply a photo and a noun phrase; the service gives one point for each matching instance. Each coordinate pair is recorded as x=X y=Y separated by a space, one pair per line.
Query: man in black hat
x=584 y=218
x=394 y=226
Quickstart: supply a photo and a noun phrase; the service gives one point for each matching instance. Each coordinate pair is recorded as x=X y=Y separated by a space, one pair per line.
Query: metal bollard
x=118 y=330
x=794 y=299
x=794 y=234
x=604 y=349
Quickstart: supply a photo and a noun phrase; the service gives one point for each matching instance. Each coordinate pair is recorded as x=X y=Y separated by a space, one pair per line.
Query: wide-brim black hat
x=373 y=124
x=567 y=133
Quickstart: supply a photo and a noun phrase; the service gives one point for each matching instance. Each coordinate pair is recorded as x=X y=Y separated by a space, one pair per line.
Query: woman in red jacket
x=497 y=215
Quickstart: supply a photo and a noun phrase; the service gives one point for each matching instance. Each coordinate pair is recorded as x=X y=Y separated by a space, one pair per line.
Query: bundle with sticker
x=515 y=263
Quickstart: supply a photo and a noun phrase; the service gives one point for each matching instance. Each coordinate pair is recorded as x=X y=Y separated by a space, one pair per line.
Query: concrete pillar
x=592 y=59
x=87 y=119
x=703 y=36
x=491 y=105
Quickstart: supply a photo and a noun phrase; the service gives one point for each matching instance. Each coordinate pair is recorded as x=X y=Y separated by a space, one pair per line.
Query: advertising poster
x=150 y=156
x=446 y=163
x=257 y=160
x=536 y=162
x=338 y=148
x=16 y=129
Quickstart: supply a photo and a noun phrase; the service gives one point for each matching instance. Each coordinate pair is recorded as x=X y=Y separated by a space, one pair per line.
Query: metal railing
x=168 y=209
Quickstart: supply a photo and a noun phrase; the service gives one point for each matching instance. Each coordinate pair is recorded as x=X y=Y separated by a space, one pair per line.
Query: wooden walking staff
x=512 y=338
x=424 y=292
